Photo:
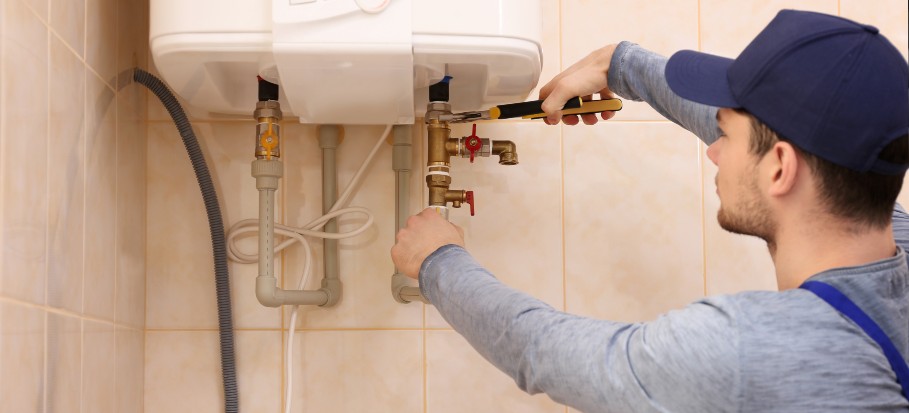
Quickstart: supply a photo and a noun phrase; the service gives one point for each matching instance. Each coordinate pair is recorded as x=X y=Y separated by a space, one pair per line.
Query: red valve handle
x=468 y=198
x=473 y=143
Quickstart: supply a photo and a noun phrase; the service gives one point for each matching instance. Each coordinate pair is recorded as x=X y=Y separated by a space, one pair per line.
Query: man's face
x=743 y=207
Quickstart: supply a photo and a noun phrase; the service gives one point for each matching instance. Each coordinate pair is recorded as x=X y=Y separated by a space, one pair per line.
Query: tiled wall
x=72 y=206
x=613 y=221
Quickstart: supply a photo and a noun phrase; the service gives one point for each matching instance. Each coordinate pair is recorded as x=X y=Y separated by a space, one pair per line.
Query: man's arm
x=688 y=358
x=638 y=74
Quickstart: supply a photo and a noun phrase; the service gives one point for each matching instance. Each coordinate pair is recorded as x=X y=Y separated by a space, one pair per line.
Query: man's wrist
x=424 y=276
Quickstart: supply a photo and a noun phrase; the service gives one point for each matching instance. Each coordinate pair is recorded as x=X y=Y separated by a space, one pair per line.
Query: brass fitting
x=438 y=184
x=440 y=148
x=456 y=197
x=268 y=130
x=439 y=145
x=507 y=152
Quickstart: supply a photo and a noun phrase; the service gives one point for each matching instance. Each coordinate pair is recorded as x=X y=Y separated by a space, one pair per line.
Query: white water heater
x=347 y=61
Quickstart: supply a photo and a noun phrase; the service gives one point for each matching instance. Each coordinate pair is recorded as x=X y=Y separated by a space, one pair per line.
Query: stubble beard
x=750 y=215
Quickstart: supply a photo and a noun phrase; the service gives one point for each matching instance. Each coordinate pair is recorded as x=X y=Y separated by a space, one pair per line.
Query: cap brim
x=701 y=77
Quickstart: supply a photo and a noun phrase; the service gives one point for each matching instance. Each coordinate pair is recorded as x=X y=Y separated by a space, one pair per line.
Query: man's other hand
x=423 y=234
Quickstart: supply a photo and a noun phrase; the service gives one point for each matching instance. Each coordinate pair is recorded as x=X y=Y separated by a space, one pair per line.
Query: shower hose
x=219 y=246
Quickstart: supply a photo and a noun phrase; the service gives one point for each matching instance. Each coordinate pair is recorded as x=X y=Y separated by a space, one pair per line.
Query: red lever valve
x=473 y=143
x=468 y=198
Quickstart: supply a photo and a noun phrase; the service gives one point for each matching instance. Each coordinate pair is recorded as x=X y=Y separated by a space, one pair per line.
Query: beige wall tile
x=130 y=370
x=367 y=371
x=132 y=147
x=518 y=210
x=66 y=179
x=183 y=371
x=72 y=126
x=890 y=16
x=180 y=277
x=101 y=38
x=22 y=358
x=633 y=234
x=179 y=227
x=99 y=368
x=366 y=266
x=40 y=7
x=64 y=363
x=67 y=19
x=132 y=35
x=259 y=370
x=728 y=26
x=23 y=178
x=100 y=198
x=460 y=380
x=664 y=26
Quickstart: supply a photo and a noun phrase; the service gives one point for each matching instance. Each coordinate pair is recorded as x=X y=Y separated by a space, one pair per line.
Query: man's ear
x=783 y=168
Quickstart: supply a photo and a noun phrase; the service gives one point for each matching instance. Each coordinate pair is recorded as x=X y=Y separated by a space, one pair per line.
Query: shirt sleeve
x=640 y=75
x=901 y=226
x=687 y=360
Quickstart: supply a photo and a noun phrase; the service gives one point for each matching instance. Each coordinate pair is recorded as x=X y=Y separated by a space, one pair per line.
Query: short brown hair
x=865 y=198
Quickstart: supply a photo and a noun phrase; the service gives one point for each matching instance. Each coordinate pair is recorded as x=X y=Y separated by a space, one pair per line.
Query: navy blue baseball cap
x=835 y=88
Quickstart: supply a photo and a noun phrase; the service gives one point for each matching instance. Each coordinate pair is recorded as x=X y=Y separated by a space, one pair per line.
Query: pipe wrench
x=533 y=110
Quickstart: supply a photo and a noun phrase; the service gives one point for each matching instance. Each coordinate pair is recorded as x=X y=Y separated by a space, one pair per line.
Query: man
x=808 y=129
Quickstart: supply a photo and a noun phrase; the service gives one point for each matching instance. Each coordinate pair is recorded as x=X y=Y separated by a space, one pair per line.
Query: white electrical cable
x=297 y=235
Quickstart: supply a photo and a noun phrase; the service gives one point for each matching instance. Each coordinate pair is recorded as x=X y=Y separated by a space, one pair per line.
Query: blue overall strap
x=844 y=305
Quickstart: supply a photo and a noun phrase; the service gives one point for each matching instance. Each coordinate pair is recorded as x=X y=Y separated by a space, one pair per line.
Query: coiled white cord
x=293 y=234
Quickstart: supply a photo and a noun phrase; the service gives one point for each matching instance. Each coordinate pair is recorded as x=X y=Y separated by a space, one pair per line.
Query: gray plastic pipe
x=267 y=173
x=329 y=139
x=401 y=162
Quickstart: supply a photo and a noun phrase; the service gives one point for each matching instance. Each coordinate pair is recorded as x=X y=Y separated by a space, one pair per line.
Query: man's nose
x=713 y=152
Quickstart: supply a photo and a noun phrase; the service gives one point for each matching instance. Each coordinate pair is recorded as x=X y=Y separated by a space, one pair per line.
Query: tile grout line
x=116 y=123
x=701 y=170
x=562 y=188
x=44 y=314
x=425 y=365
x=82 y=320
x=285 y=329
x=562 y=182
x=424 y=201
x=67 y=313
x=84 y=167
x=82 y=59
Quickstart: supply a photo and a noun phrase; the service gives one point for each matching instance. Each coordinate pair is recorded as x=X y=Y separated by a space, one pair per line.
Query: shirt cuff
x=426 y=276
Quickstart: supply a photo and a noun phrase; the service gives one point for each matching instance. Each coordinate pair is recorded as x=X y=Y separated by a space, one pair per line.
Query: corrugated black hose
x=210 y=197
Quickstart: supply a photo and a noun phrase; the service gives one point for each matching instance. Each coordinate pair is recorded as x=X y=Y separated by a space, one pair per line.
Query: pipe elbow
x=267 y=291
x=507 y=152
x=332 y=289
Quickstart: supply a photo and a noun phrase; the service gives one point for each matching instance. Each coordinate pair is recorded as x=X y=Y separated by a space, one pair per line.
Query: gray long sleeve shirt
x=755 y=351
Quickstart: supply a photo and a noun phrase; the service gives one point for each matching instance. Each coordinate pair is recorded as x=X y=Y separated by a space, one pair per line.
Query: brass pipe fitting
x=507 y=152
x=268 y=130
x=438 y=189
x=438 y=145
x=456 y=197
